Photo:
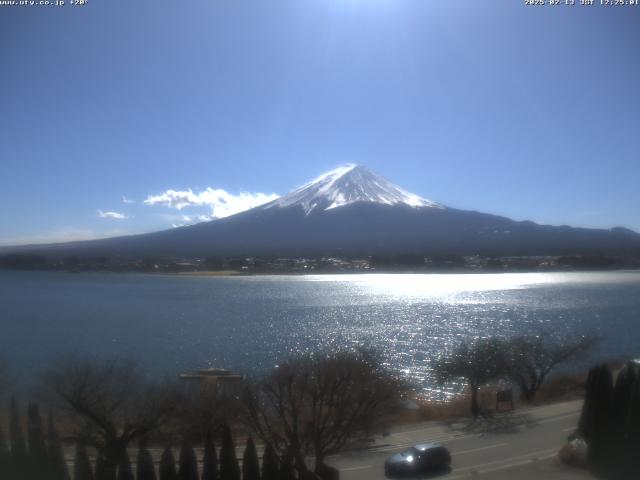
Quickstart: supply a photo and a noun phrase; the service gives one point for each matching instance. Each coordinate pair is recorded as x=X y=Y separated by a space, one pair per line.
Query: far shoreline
x=205 y=273
x=236 y=273
x=297 y=273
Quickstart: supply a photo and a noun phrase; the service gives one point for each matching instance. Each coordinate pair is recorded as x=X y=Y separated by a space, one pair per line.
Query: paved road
x=507 y=441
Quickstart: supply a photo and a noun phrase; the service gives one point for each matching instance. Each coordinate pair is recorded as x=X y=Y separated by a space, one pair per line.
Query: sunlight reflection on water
x=414 y=286
x=434 y=313
x=172 y=324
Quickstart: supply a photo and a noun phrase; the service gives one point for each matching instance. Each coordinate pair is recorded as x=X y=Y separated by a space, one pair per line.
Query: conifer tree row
x=40 y=456
x=124 y=468
x=145 y=469
x=188 y=464
x=250 y=465
x=229 y=468
x=210 y=459
x=168 y=465
x=270 y=467
x=610 y=420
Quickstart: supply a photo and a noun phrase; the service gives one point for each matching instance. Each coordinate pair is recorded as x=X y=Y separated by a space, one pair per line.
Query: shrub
x=229 y=469
x=144 y=469
x=168 y=465
x=4 y=455
x=18 y=457
x=250 y=465
x=124 y=468
x=210 y=459
x=37 y=445
x=58 y=467
x=270 y=470
x=188 y=469
x=286 y=467
x=82 y=465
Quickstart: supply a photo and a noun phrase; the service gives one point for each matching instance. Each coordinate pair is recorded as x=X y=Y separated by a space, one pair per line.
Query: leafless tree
x=477 y=363
x=111 y=405
x=533 y=357
x=202 y=407
x=320 y=406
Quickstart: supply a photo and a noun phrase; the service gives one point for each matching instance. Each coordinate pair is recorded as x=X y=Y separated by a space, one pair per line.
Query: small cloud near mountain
x=112 y=215
x=221 y=202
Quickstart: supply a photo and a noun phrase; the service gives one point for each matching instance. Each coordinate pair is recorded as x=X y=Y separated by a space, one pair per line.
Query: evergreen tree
x=57 y=464
x=101 y=472
x=82 y=464
x=18 y=451
x=229 y=469
x=210 y=459
x=585 y=424
x=37 y=446
x=633 y=422
x=250 y=465
x=168 y=465
x=622 y=393
x=4 y=455
x=286 y=467
x=145 y=470
x=633 y=419
x=188 y=464
x=270 y=470
x=600 y=436
x=621 y=407
x=124 y=467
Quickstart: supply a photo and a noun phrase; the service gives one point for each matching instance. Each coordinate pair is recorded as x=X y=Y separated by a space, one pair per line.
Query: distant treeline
x=379 y=262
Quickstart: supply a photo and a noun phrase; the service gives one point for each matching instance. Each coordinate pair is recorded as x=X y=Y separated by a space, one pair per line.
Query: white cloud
x=127 y=200
x=222 y=203
x=196 y=218
x=112 y=215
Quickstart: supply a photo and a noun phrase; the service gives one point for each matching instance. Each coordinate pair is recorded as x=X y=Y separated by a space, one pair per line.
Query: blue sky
x=528 y=112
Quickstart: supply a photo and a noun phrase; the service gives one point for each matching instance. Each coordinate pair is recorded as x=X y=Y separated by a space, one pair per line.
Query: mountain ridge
x=352 y=211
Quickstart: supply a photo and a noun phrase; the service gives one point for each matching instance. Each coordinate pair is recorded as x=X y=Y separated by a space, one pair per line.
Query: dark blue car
x=421 y=458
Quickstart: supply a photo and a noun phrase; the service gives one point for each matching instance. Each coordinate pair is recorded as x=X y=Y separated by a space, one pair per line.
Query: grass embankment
x=559 y=388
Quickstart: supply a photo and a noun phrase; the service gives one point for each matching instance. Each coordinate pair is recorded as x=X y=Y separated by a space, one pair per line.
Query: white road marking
x=447 y=437
x=510 y=462
x=497 y=469
x=523 y=462
x=497 y=445
x=348 y=469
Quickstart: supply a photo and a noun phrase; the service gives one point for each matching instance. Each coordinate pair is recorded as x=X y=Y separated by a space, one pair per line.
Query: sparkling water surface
x=177 y=323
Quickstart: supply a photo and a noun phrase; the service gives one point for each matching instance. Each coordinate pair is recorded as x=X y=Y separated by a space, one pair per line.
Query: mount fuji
x=352 y=211
x=345 y=186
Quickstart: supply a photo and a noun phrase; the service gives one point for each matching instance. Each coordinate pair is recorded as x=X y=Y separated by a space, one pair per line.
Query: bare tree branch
x=320 y=406
x=110 y=403
x=533 y=357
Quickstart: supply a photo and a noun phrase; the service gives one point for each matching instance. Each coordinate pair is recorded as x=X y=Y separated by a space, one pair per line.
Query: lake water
x=176 y=323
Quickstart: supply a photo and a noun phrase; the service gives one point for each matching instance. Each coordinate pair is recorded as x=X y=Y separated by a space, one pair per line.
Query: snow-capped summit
x=346 y=185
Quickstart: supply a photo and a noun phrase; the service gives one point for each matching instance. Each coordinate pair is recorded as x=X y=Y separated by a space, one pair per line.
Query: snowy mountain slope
x=347 y=185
